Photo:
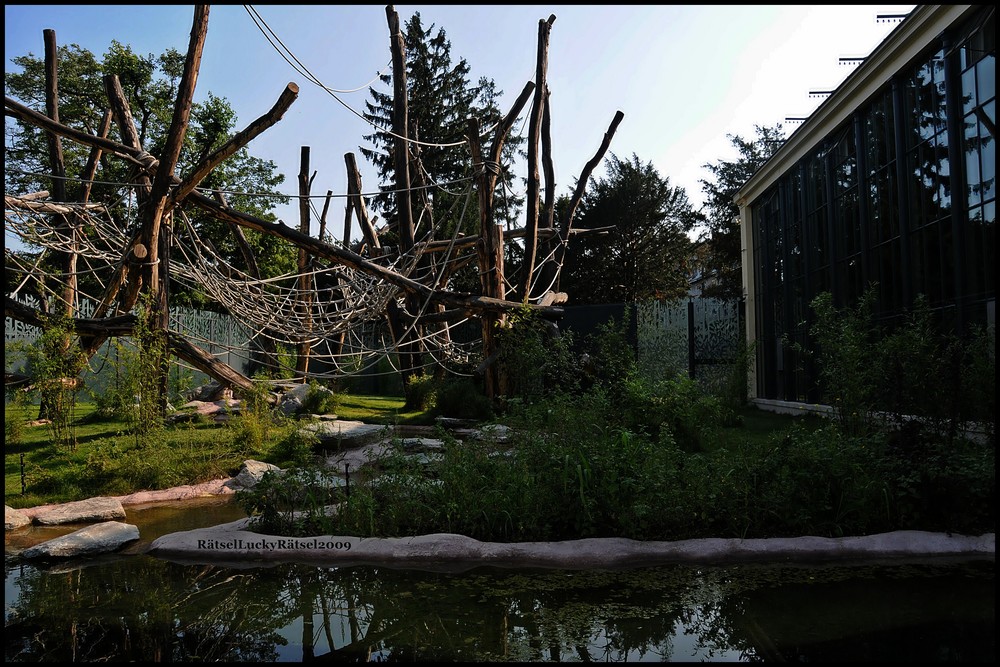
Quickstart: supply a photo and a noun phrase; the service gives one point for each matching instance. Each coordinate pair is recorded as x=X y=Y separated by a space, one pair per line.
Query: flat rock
x=96 y=539
x=90 y=510
x=215 y=487
x=14 y=519
x=347 y=434
x=235 y=542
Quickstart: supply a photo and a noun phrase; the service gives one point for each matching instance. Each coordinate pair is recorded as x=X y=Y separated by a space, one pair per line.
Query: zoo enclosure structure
x=698 y=336
x=138 y=254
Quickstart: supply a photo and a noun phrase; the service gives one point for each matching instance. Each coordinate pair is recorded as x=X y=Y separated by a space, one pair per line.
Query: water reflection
x=147 y=609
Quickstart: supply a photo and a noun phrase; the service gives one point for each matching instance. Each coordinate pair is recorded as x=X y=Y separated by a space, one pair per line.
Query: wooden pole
x=305 y=280
x=534 y=129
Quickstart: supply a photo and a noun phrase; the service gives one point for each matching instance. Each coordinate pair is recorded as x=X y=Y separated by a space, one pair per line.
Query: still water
x=132 y=607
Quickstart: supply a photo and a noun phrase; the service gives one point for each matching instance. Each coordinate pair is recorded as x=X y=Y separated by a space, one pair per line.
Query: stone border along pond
x=233 y=544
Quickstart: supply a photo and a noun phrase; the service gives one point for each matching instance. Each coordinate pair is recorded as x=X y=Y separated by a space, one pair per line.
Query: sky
x=686 y=77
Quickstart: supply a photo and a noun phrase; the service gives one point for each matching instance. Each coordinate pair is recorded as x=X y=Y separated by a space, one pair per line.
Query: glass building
x=889 y=184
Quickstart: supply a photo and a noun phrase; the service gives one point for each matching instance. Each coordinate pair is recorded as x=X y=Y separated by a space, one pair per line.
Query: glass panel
x=969 y=100
x=972 y=175
x=889 y=274
x=986 y=77
x=989 y=156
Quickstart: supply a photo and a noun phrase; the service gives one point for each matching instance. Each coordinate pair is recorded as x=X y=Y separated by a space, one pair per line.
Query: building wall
x=891 y=184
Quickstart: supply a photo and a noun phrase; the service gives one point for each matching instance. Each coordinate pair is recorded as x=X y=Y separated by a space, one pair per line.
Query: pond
x=134 y=607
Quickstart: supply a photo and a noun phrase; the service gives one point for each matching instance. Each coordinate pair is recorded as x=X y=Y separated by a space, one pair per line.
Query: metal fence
x=697 y=336
x=218 y=334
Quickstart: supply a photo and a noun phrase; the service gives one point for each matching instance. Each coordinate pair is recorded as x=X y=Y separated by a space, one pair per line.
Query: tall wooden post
x=534 y=130
x=305 y=280
x=402 y=335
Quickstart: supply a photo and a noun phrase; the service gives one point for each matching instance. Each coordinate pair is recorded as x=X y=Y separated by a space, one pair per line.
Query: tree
x=150 y=85
x=645 y=255
x=724 y=247
x=440 y=100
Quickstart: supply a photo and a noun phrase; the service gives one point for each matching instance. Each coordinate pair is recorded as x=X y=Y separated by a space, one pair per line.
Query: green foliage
x=939 y=483
x=108 y=460
x=150 y=86
x=733 y=392
x=292 y=502
x=979 y=374
x=803 y=481
x=253 y=423
x=650 y=459
x=676 y=408
x=462 y=398
x=846 y=340
x=645 y=255
x=14 y=423
x=320 y=400
x=297 y=449
x=534 y=358
x=877 y=377
x=440 y=100
x=421 y=390
x=180 y=382
x=135 y=395
x=723 y=255
x=55 y=362
x=611 y=360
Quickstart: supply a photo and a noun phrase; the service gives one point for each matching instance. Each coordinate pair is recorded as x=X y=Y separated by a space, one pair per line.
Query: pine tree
x=440 y=99
x=724 y=247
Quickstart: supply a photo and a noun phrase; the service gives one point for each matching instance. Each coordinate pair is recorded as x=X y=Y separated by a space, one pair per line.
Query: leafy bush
x=252 y=424
x=876 y=376
x=677 y=405
x=535 y=359
x=421 y=391
x=293 y=502
x=463 y=398
x=320 y=400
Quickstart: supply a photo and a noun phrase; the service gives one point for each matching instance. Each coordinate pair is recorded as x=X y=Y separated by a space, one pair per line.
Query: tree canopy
x=645 y=254
x=723 y=252
x=150 y=86
x=440 y=100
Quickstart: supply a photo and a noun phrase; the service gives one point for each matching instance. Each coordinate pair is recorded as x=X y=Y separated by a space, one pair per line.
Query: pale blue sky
x=684 y=76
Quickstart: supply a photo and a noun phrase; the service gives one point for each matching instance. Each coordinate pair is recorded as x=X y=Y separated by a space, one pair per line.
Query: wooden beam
x=239 y=140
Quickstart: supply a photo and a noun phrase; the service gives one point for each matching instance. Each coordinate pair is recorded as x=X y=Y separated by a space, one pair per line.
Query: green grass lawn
x=380 y=410
x=98 y=456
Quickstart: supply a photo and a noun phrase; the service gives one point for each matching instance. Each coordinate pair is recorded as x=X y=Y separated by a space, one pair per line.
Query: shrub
x=320 y=400
x=293 y=502
x=421 y=391
x=677 y=405
x=462 y=398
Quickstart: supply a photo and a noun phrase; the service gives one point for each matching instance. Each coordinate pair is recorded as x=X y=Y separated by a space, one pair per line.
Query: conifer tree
x=724 y=246
x=441 y=99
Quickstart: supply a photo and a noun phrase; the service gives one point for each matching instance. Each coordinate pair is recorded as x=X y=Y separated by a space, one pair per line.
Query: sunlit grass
x=108 y=460
x=380 y=410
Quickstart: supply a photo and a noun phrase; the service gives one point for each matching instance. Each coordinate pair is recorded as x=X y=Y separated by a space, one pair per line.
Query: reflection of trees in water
x=521 y=616
x=144 y=609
